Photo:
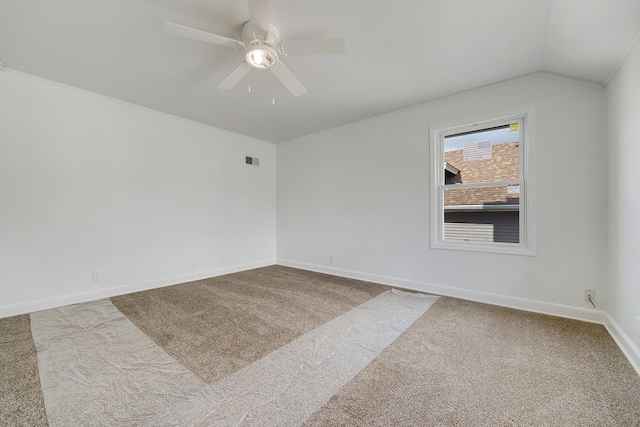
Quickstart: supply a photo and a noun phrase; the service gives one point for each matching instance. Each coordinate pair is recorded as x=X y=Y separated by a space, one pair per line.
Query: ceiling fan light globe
x=262 y=57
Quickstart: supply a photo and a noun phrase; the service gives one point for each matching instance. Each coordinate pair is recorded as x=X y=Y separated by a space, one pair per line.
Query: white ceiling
x=399 y=53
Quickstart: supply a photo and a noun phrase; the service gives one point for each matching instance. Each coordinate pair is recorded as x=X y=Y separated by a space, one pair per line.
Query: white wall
x=623 y=100
x=362 y=192
x=89 y=183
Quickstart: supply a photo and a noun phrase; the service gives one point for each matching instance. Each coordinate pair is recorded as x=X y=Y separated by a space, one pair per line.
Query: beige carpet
x=98 y=368
x=464 y=363
x=217 y=326
x=21 y=402
x=461 y=363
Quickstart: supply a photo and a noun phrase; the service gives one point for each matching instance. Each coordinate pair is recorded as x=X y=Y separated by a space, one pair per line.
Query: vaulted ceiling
x=398 y=53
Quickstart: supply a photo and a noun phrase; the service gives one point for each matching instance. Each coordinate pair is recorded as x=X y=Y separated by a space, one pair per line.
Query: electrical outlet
x=590 y=295
x=332 y=257
x=192 y=264
x=96 y=276
x=638 y=326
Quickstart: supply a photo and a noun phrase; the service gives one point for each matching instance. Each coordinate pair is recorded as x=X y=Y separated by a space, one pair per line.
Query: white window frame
x=527 y=241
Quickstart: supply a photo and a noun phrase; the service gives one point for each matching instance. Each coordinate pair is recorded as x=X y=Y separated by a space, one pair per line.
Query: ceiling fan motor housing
x=261 y=52
x=249 y=38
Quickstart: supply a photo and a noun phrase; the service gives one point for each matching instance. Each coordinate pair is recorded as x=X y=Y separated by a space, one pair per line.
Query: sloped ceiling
x=399 y=53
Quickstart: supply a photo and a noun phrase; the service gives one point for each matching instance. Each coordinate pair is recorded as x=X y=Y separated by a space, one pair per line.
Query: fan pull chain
x=249 y=80
x=273 y=89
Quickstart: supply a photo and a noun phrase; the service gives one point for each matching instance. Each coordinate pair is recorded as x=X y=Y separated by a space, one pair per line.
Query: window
x=482 y=185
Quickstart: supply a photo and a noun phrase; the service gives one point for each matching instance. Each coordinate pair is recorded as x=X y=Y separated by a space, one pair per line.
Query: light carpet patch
x=96 y=367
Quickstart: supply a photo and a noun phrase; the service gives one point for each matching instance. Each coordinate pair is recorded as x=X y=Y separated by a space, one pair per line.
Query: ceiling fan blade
x=235 y=76
x=314 y=47
x=288 y=79
x=192 y=33
x=259 y=17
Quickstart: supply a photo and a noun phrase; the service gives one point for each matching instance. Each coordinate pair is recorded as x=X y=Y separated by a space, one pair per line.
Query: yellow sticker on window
x=514 y=127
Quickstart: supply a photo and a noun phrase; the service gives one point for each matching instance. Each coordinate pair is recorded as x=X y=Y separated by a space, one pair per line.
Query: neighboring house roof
x=451 y=169
x=503 y=166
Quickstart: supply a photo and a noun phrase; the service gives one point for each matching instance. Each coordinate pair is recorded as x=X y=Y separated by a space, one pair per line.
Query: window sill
x=503 y=249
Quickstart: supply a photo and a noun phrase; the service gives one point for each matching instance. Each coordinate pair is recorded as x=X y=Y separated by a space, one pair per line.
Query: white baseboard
x=624 y=342
x=59 y=301
x=588 y=315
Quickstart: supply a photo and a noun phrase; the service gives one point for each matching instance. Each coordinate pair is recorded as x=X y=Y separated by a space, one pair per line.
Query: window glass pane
x=485 y=156
x=488 y=214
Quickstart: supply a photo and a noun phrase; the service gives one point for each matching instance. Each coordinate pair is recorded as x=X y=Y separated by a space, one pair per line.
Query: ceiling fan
x=262 y=46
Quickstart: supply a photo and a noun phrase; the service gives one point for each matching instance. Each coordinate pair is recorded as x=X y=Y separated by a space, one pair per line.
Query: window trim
x=527 y=245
